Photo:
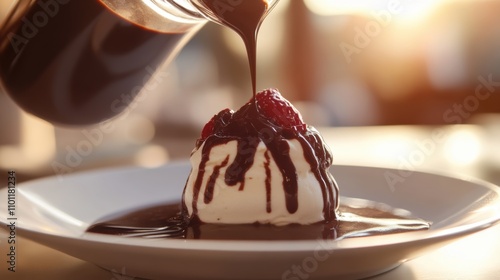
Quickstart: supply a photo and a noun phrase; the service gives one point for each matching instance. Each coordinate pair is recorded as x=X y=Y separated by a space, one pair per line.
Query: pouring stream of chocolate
x=244 y=17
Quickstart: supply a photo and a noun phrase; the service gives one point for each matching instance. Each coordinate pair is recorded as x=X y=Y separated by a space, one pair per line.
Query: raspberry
x=208 y=129
x=216 y=122
x=269 y=103
x=280 y=111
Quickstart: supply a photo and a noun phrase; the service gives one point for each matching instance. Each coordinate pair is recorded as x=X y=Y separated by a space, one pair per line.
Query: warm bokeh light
x=327 y=7
x=463 y=147
x=36 y=148
x=139 y=129
x=405 y=8
x=151 y=156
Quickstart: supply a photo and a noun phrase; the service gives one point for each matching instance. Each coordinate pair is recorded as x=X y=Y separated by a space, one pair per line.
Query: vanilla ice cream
x=232 y=205
x=256 y=166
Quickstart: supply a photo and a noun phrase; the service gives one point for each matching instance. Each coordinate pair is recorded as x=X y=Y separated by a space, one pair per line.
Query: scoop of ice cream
x=261 y=164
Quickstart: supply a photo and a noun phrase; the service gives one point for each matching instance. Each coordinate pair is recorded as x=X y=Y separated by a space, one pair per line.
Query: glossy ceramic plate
x=56 y=213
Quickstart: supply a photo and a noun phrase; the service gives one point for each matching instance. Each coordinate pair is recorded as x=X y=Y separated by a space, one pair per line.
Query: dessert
x=261 y=164
x=261 y=173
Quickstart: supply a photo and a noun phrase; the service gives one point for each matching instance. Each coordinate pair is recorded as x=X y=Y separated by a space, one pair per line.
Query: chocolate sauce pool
x=359 y=218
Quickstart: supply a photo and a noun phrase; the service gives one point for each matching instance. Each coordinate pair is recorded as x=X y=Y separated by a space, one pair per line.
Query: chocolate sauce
x=267 y=164
x=209 y=191
x=358 y=218
x=244 y=17
x=76 y=62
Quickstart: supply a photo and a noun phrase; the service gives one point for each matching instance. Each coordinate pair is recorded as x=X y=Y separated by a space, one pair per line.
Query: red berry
x=279 y=110
x=216 y=122
x=270 y=104
x=208 y=129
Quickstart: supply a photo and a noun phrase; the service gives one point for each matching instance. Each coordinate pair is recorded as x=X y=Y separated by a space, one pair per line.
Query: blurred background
x=344 y=64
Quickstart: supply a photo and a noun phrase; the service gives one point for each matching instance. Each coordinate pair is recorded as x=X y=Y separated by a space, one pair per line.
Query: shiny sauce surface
x=357 y=218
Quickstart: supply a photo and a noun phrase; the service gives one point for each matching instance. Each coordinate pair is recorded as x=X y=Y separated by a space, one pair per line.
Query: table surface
x=474 y=257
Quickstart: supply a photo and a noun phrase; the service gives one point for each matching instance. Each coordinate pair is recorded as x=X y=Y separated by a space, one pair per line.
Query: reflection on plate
x=56 y=213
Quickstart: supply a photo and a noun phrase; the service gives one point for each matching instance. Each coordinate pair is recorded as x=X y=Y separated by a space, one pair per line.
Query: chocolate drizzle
x=319 y=158
x=267 y=164
x=249 y=127
x=209 y=190
x=244 y=17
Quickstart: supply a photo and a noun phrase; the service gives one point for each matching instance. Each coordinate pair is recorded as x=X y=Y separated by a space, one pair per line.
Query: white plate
x=56 y=213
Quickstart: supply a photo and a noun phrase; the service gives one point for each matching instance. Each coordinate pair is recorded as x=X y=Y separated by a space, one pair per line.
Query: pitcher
x=79 y=62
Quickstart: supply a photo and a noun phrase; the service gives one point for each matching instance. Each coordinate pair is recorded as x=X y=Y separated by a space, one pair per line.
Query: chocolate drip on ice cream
x=249 y=127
